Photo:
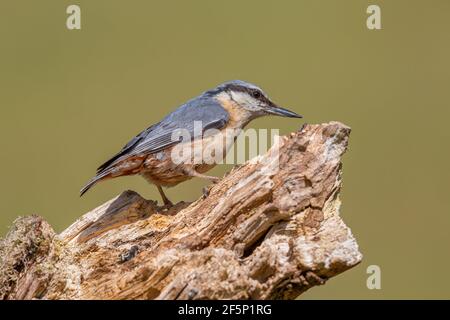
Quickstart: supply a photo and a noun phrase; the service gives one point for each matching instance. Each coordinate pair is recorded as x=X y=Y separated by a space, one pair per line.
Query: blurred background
x=71 y=98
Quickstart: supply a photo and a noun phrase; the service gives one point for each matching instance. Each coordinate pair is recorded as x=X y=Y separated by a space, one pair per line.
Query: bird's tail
x=93 y=181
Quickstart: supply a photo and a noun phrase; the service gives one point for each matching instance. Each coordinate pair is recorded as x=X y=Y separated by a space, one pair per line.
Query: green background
x=70 y=99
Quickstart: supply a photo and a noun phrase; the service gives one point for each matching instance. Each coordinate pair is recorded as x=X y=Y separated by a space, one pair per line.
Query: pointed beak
x=279 y=111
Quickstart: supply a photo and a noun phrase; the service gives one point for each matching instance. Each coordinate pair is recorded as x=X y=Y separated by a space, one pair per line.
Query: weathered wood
x=270 y=229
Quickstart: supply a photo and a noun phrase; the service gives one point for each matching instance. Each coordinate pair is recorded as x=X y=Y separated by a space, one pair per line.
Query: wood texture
x=270 y=229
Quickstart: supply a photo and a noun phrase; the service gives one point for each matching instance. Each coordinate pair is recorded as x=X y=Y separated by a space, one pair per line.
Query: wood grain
x=270 y=229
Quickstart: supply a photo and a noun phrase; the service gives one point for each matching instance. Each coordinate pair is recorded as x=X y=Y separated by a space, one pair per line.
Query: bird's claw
x=205 y=191
x=215 y=180
x=167 y=204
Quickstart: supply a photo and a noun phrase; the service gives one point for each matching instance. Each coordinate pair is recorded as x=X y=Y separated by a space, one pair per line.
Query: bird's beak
x=279 y=111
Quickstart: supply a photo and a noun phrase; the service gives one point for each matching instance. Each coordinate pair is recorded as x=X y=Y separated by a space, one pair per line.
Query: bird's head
x=251 y=99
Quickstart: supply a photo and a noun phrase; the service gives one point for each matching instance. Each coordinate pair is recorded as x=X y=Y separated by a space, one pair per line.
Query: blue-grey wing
x=206 y=111
x=127 y=148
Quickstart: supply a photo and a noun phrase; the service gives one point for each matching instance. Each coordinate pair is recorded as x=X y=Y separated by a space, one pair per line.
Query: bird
x=223 y=111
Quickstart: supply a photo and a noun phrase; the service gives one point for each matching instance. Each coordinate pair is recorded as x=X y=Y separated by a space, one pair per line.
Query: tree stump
x=270 y=229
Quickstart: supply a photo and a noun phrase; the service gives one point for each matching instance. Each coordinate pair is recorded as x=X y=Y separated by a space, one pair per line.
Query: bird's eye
x=256 y=94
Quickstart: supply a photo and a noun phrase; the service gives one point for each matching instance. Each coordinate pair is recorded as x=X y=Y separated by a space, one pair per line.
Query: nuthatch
x=228 y=108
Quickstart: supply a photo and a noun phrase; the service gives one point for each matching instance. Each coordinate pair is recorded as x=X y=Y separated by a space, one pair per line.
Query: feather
x=157 y=137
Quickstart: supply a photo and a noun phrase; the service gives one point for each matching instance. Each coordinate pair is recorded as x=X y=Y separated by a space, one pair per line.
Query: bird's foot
x=167 y=203
x=214 y=180
x=205 y=191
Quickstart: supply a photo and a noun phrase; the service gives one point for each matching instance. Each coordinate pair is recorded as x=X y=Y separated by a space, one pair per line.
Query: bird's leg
x=205 y=191
x=166 y=201
x=192 y=173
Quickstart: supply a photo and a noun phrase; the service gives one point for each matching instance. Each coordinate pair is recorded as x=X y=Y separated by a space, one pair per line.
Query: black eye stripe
x=253 y=92
x=258 y=95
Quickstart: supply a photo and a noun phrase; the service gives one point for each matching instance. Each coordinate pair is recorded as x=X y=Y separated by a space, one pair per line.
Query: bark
x=270 y=229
